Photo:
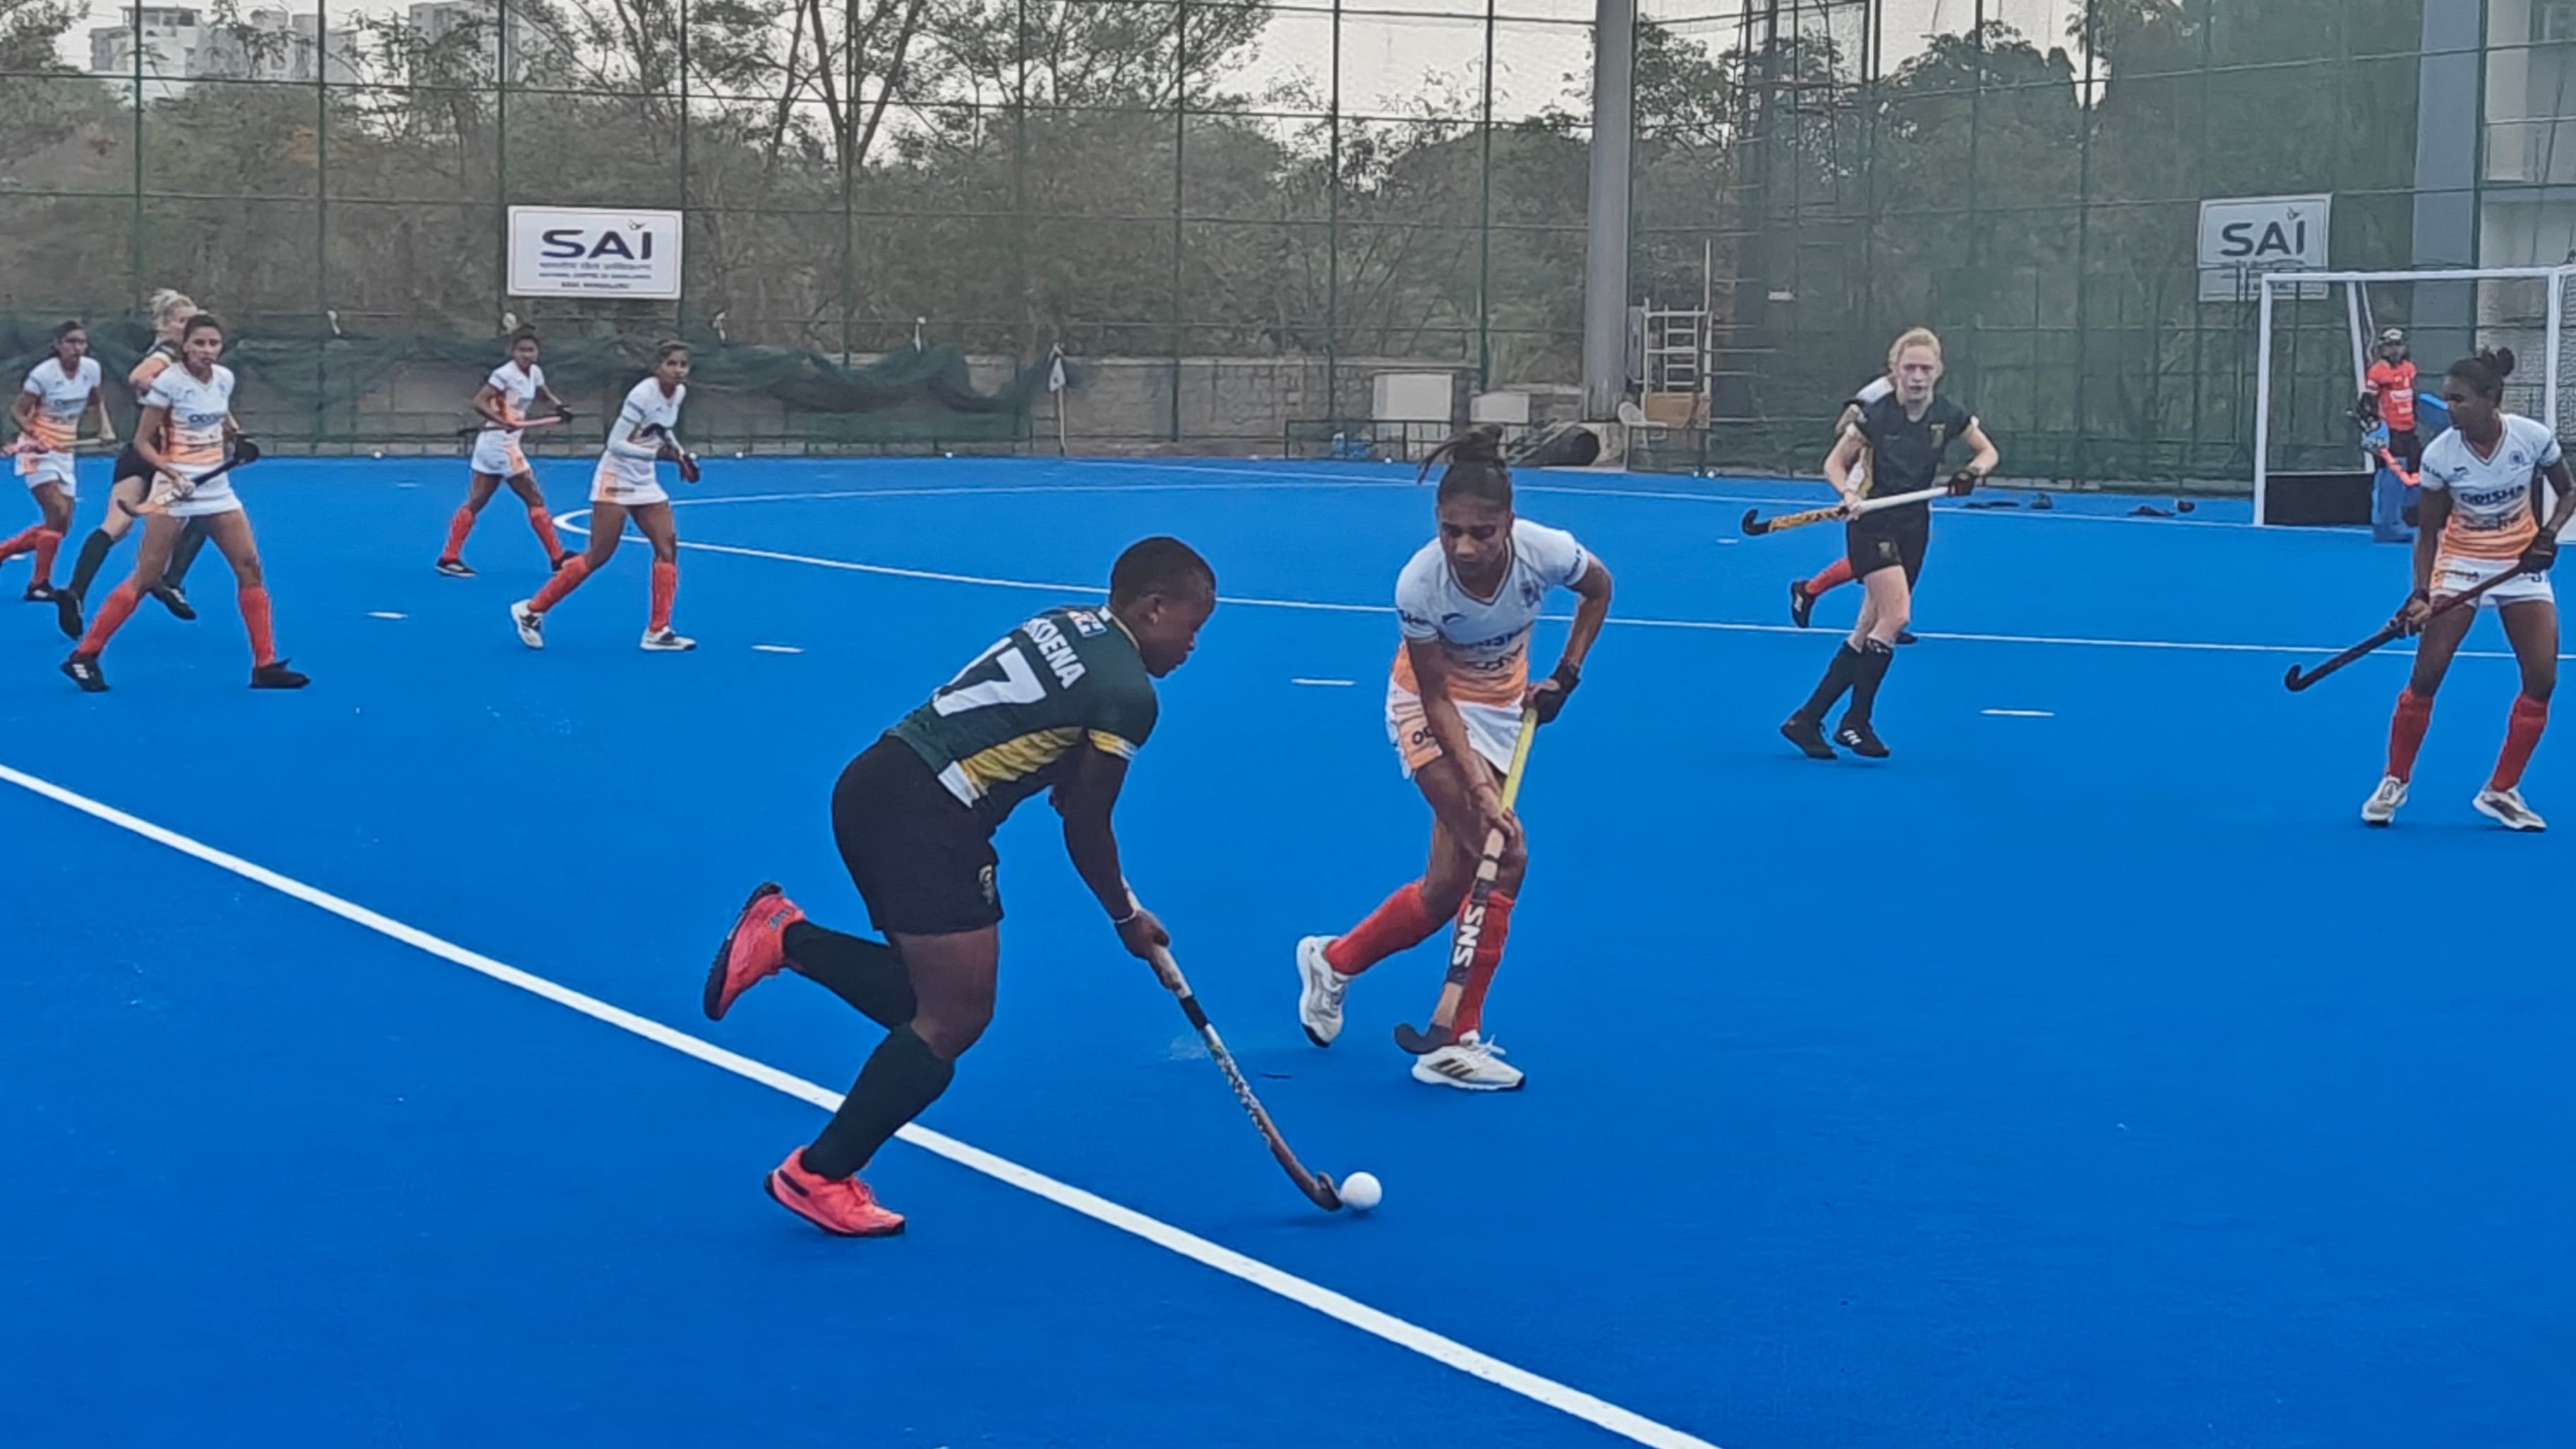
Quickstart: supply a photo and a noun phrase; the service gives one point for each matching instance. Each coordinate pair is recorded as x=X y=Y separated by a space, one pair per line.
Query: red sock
x=2406 y=731
x=254 y=607
x=1480 y=971
x=1400 y=923
x=111 y=617
x=2521 y=737
x=1836 y=574
x=457 y=527
x=46 y=543
x=21 y=541
x=544 y=524
x=666 y=587
x=566 y=579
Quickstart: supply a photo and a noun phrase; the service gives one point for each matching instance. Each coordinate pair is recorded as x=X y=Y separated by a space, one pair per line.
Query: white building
x=181 y=47
x=531 y=48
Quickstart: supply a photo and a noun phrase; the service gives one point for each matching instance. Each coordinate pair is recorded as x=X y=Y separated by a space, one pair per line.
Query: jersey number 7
x=1002 y=676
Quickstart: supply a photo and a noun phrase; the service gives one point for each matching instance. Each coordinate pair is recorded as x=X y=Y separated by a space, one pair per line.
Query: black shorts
x=1894 y=539
x=920 y=858
x=2407 y=448
x=130 y=464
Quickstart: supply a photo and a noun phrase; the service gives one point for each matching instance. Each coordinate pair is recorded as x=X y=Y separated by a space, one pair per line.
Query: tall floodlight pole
x=1605 y=277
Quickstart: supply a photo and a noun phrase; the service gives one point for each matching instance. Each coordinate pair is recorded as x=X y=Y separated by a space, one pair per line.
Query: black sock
x=867 y=974
x=900 y=1081
x=191 y=543
x=1838 y=677
x=1874 y=659
x=93 y=553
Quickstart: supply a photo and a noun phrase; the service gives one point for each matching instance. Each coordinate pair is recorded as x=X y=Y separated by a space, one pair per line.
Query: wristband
x=1133 y=912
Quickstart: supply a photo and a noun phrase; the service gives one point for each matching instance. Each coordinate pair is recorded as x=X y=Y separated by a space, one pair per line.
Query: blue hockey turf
x=2083 y=1075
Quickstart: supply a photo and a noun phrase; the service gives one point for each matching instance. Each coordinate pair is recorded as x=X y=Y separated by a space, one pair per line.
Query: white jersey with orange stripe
x=518 y=392
x=60 y=400
x=1486 y=641
x=2495 y=499
x=193 y=440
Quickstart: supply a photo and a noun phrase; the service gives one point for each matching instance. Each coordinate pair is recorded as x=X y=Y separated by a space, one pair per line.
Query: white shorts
x=215 y=497
x=609 y=486
x=1492 y=730
x=497 y=455
x=36 y=469
x=2453 y=574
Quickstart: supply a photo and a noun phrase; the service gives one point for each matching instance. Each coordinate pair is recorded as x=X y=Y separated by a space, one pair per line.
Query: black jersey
x=996 y=734
x=1906 y=455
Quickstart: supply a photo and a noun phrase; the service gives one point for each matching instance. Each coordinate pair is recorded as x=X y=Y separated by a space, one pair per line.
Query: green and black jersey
x=996 y=734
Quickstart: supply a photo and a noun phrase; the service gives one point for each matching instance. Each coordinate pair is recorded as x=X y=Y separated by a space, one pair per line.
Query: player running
x=1065 y=700
x=646 y=431
x=131 y=480
x=48 y=411
x=1466 y=605
x=186 y=424
x=2482 y=517
x=504 y=401
x=1905 y=435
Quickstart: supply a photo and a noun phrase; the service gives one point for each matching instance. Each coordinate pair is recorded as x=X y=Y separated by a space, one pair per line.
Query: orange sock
x=457 y=527
x=666 y=587
x=254 y=610
x=544 y=524
x=566 y=579
x=46 y=543
x=1400 y=923
x=1480 y=970
x=2406 y=731
x=21 y=541
x=1836 y=574
x=2521 y=737
x=111 y=617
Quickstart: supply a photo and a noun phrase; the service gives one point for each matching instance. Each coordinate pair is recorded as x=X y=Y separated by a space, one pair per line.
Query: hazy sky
x=1388 y=54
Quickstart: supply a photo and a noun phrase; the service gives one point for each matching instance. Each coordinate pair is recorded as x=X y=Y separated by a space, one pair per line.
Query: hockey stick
x=2298 y=679
x=1470 y=930
x=1756 y=526
x=245 y=452
x=1317 y=1187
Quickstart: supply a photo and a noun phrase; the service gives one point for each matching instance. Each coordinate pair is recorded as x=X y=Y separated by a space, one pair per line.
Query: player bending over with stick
x=2481 y=518
x=1455 y=710
x=1905 y=436
x=1065 y=701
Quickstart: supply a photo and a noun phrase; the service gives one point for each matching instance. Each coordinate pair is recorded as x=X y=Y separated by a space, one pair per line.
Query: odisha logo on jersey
x=1532 y=591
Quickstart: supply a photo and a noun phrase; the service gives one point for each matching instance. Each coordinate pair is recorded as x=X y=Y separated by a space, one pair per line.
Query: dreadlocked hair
x=1474 y=468
x=2486 y=372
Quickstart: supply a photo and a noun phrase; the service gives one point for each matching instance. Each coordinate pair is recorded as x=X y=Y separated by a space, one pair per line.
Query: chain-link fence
x=1230 y=217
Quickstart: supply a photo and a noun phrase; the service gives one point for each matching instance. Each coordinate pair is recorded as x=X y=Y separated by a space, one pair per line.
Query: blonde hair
x=1914 y=337
x=170 y=308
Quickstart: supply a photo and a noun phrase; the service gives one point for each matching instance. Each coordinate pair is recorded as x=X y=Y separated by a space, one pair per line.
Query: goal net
x=2319 y=335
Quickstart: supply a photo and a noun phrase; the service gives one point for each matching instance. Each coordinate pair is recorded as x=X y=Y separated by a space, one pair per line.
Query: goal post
x=2305 y=383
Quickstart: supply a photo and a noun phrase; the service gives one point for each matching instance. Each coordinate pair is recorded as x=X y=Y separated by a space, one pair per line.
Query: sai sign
x=2247 y=235
x=585 y=251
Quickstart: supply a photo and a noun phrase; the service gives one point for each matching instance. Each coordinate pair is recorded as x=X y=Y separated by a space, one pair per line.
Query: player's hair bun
x=1476 y=447
x=2499 y=358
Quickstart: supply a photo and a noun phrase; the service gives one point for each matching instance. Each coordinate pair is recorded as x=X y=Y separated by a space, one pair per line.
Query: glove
x=1548 y=700
x=245 y=452
x=1963 y=483
x=563 y=412
x=2539 y=556
x=683 y=458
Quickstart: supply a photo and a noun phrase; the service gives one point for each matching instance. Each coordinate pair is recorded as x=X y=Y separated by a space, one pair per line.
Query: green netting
x=416 y=389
